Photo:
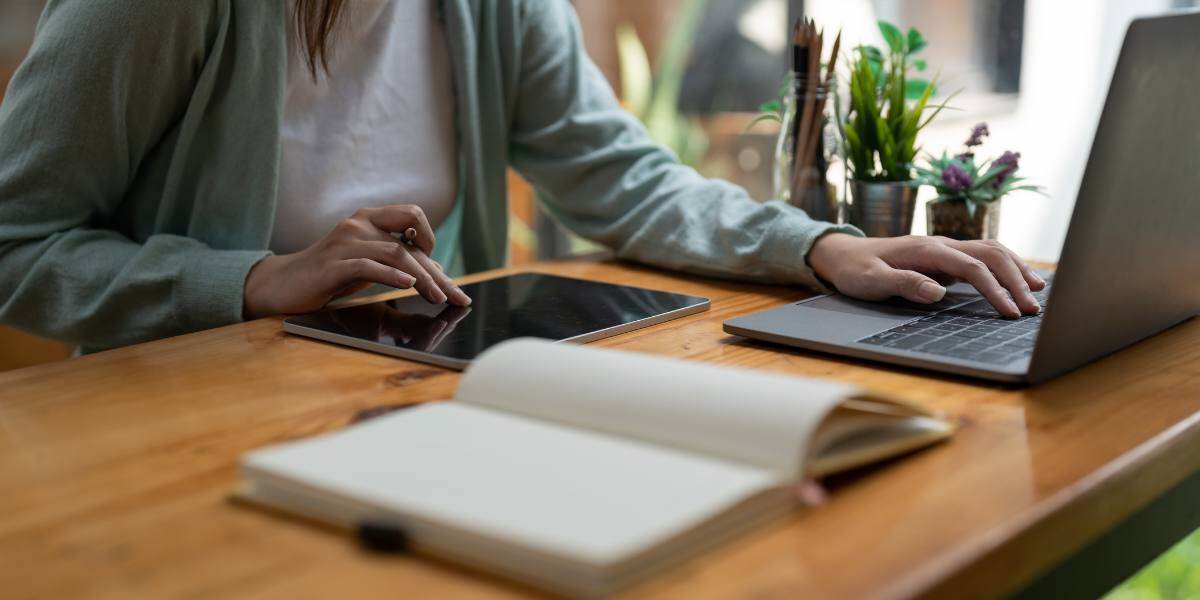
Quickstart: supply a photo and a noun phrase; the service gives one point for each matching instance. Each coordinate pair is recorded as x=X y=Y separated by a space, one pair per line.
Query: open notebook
x=583 y=470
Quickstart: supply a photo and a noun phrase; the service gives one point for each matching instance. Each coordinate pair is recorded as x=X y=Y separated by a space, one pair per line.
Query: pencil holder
x=802 y=153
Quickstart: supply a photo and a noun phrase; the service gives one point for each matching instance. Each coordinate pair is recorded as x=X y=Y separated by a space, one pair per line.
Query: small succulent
x=961 y=178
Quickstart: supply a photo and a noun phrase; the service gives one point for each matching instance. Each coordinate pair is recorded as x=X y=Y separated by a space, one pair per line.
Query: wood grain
x=115 y=468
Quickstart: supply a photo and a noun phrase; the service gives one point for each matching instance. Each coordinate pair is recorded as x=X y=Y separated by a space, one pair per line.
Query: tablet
x=522 y=305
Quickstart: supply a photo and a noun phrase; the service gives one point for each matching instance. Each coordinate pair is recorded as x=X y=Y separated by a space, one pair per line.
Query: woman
x=172 y=165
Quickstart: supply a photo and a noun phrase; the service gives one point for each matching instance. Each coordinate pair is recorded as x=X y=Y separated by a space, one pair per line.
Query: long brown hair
x=316 y=27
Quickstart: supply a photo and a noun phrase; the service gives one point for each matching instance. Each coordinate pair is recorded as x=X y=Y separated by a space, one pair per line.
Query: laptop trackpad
x=895 y=307
x=838 y=319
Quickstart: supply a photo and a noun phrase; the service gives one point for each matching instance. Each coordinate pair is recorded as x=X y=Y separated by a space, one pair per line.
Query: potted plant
x=886 y=110
x=967 y=206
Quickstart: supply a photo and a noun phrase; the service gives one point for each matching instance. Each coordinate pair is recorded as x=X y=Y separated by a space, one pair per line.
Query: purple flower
x=1010 y=161
x=955 y=178
x=978 y=132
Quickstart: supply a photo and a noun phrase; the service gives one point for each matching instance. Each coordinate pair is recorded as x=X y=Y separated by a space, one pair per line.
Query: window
x=1036 y=71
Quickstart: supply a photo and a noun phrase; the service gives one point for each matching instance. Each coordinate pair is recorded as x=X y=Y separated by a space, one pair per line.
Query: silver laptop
x=1130 y=266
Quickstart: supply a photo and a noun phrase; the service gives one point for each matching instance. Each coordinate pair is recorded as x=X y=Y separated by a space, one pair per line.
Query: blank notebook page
x=592 y=497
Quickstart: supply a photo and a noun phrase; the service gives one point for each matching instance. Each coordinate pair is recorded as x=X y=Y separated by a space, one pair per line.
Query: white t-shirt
x=377 y=130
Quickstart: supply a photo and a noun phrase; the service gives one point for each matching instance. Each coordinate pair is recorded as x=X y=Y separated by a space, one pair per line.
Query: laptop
x=1130 y=265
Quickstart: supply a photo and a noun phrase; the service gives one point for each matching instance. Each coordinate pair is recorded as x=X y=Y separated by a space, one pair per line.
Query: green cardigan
x=139 y=159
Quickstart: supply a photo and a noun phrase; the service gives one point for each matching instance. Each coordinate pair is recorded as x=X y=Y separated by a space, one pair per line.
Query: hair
x=316 y=28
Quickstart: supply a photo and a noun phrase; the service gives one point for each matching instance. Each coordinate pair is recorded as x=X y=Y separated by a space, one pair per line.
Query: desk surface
x=115 y=468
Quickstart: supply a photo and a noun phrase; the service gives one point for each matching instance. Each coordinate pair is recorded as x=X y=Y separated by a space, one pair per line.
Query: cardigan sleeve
x=600 y=174
x=103 y=85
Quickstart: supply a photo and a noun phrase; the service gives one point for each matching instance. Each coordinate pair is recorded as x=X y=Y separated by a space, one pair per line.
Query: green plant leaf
x=873 y=54
x=766 y=116
x=937 y=109
x=920 y=64
x=893 y=36
x=915 y=88
x=771 y=106
x=873 y=61
x=1030 y=188
x=916 y=42
x=993 y=171
x=877 y=75
x=887 y=148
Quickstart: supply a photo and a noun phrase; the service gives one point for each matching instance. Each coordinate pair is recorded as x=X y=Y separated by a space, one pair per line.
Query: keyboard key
x=972 y=329
x=940 y=345
x=970 y=333
x=912 y=341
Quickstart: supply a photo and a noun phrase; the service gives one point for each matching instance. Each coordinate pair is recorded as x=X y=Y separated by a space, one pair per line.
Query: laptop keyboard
x=972 y=331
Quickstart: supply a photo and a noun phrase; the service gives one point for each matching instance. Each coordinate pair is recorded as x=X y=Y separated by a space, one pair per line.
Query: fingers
x=1036 y=283
x=914 y=286
x=974 y=271
x=397 y=218
x=433 y=285
x=441 y=280
x=401 y=257
x=917 y=268
x=351 y=271
x=1004 y=267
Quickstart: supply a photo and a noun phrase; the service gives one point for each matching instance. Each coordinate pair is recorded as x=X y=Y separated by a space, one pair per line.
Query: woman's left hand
x=912 y=266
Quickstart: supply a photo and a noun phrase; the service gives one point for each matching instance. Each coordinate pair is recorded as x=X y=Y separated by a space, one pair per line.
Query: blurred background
x=1035 y=70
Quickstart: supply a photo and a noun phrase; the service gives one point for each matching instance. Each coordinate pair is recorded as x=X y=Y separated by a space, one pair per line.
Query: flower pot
x=952 y=219
x=883 y=209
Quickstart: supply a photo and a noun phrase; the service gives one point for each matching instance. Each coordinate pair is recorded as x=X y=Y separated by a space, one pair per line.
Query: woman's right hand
x=360 y=250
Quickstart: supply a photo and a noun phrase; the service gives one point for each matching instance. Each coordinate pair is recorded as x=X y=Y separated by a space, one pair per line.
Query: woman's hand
x=911 y=267
x=359 y=251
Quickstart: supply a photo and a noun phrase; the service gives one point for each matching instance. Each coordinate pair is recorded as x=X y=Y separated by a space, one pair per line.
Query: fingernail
x=930 y=291
x=460 y=297
x=437 y=296
x=1012 y=308
x=1039 y=279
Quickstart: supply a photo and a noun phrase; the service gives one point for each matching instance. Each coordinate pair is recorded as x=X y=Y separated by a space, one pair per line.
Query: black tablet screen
x=523 y=305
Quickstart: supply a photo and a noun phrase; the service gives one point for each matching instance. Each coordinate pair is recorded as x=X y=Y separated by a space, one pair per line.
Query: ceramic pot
x=950 y=218
x=883 y=209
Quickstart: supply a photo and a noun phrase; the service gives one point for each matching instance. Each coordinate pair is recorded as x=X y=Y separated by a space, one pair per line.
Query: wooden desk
x=115 y=468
